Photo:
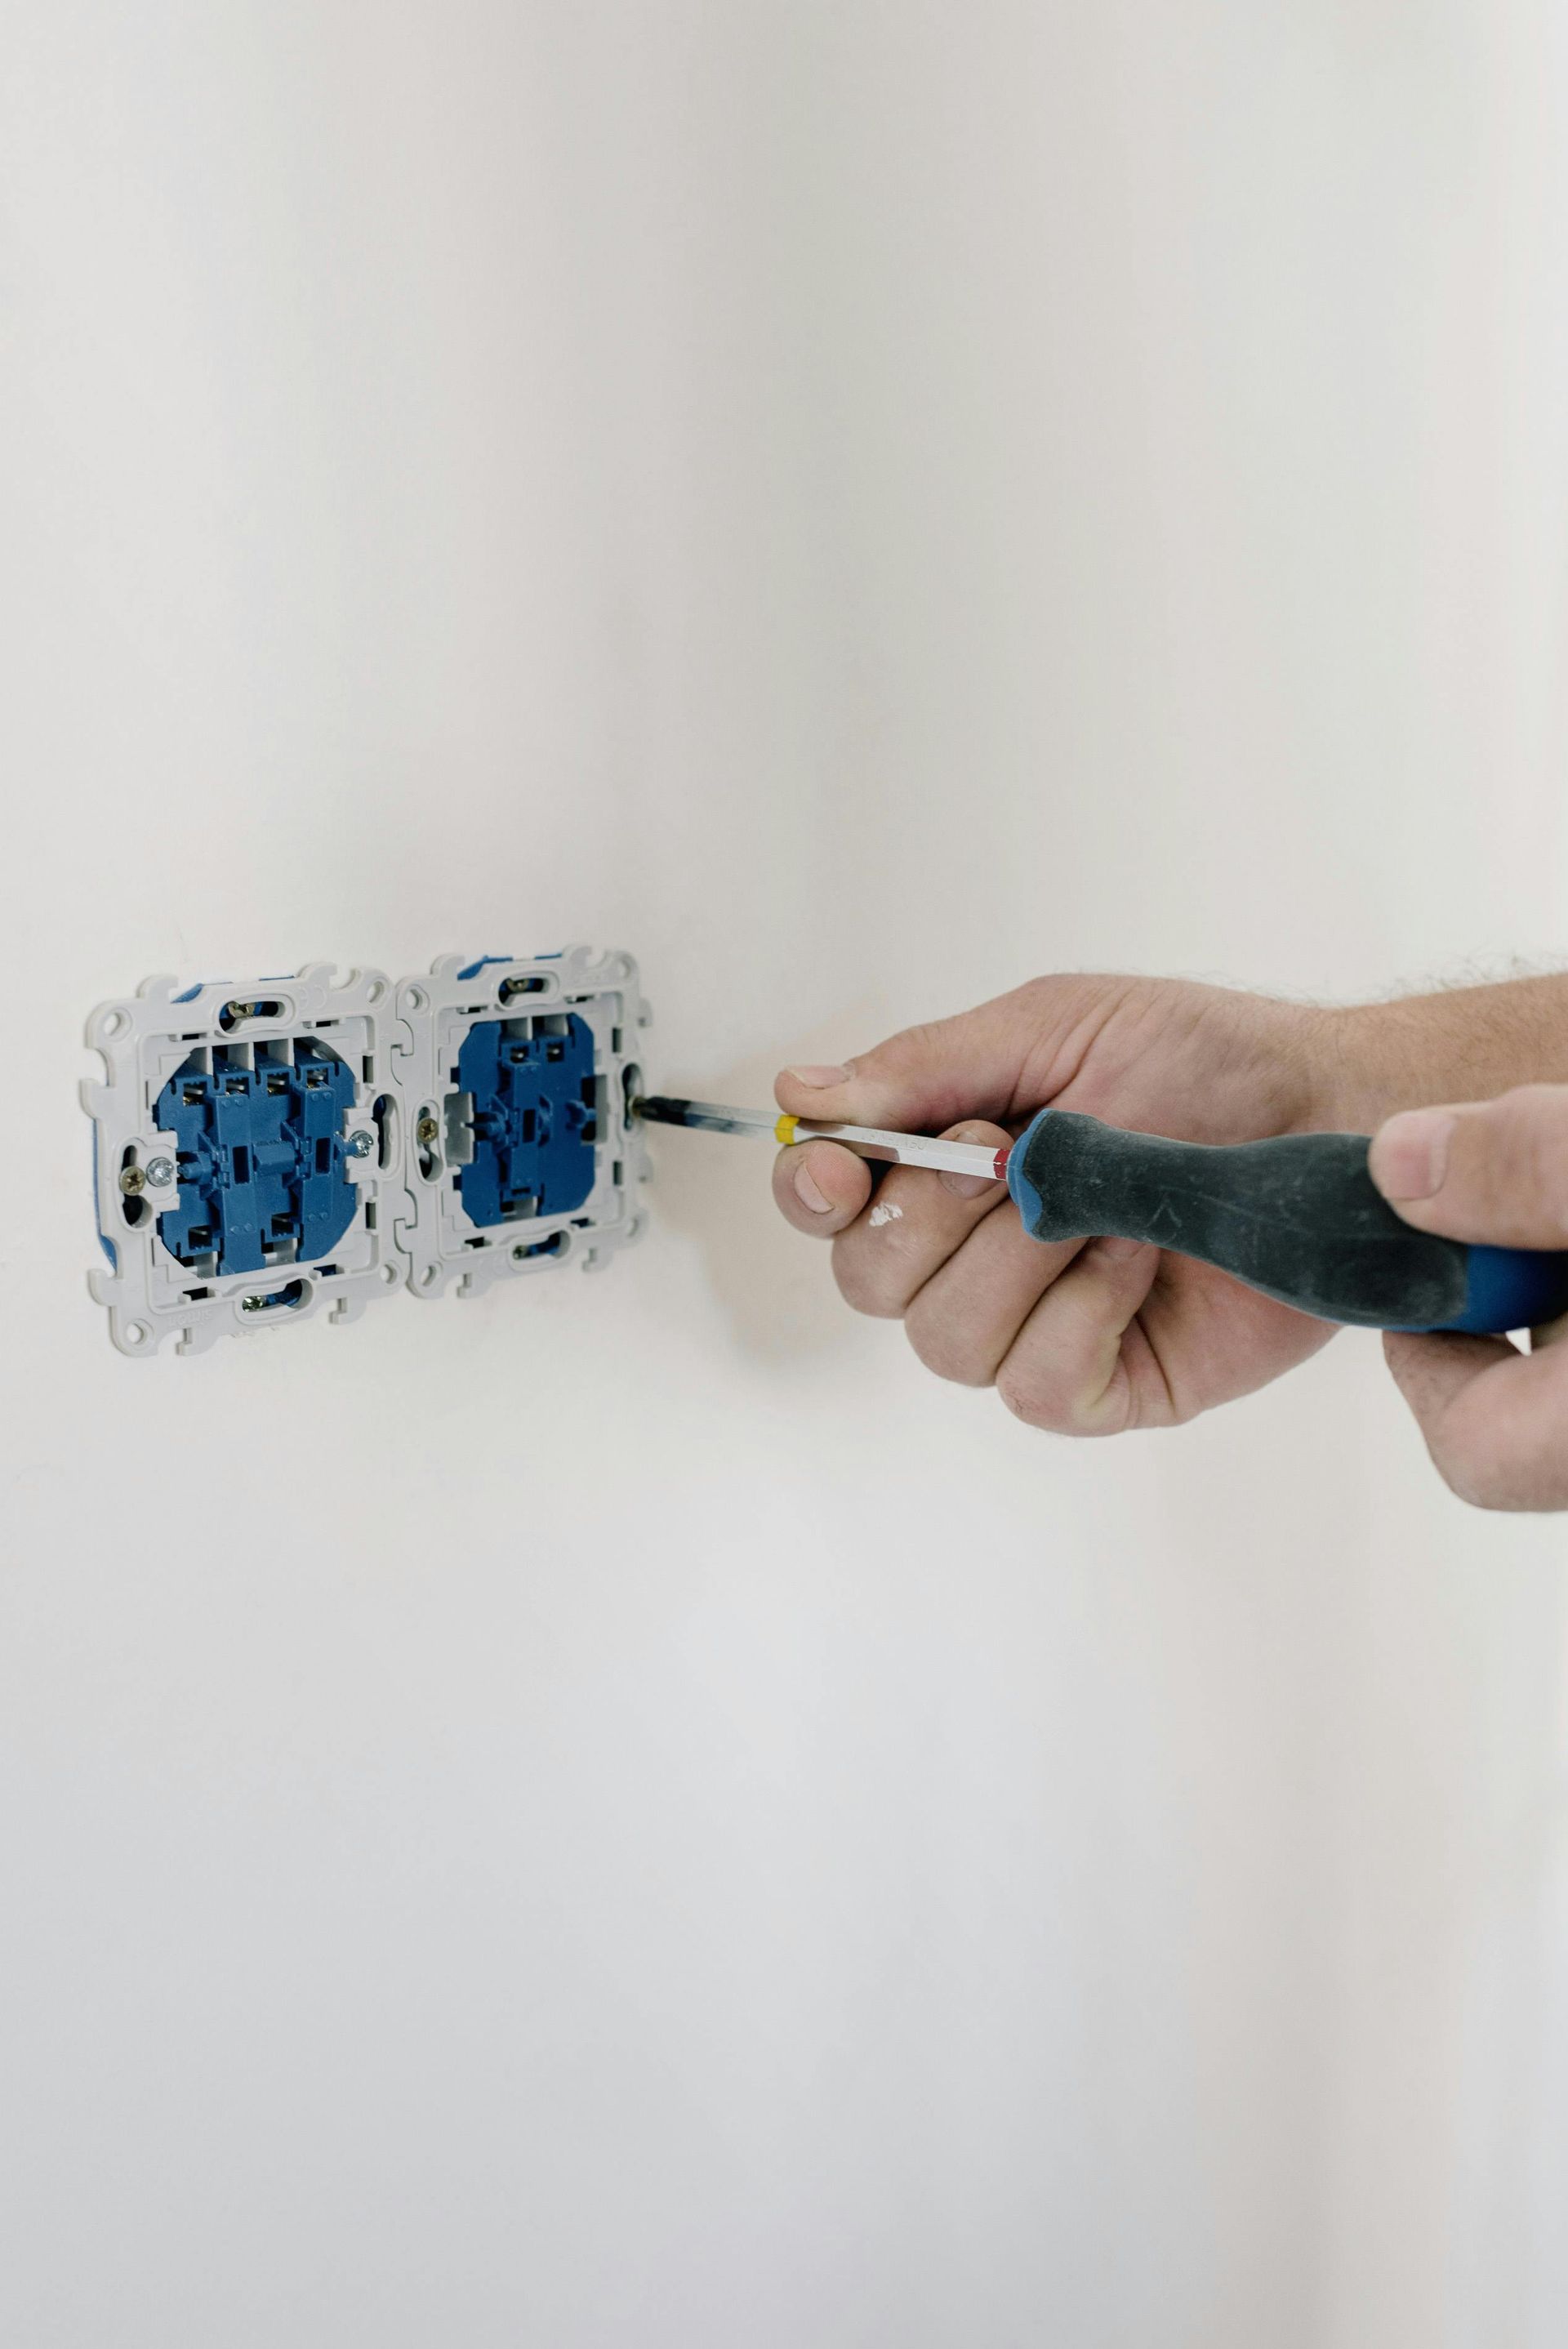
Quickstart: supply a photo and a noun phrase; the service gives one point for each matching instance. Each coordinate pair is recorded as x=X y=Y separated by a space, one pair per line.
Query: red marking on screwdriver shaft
x=1002 y=1158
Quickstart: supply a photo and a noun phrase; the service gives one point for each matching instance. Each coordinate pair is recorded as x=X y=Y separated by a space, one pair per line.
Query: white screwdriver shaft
x=865 y=1140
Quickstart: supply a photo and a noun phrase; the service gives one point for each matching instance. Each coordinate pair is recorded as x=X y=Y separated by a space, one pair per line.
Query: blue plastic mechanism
x=534 y=1119
x=262 y=1175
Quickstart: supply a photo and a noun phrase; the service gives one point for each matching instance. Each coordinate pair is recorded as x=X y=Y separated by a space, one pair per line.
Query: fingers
x=968 y=1312
x=820 y=1188
x=932 y=1250
x=981 y=1064
x=1077 y=1366
x=1495 y=1421
x=918 y=1082
x=915 y=1222
x=1494 y=1171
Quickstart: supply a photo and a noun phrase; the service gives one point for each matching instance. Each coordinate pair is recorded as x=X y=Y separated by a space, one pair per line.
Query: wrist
x=1367 y=1060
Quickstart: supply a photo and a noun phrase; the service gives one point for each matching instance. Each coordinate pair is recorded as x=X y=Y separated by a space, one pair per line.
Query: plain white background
x=624 y=1814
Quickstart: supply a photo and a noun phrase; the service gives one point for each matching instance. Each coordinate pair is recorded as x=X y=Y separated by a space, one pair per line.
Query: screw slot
x=235 y=1015
x=133 y=1182
x=359 y=1145
x=427 y=1143
x=159 y=1173
x=286 y=1300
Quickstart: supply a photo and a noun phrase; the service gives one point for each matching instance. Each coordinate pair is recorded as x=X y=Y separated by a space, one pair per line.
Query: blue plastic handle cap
x=1512 y=1288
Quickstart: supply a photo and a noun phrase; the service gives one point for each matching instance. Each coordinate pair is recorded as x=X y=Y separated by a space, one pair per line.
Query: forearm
x=1467 y=1043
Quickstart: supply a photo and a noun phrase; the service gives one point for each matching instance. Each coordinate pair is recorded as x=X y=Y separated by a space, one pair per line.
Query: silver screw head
x=360 y=1143
x=133 y=1182
x=160 y=1173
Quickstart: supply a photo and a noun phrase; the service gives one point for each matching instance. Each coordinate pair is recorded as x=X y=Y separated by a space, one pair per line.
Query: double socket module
x=267 y=1148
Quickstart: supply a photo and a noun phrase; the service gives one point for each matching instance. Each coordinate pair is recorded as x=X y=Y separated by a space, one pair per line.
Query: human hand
x=1495 y=1419
x=1089 y=1337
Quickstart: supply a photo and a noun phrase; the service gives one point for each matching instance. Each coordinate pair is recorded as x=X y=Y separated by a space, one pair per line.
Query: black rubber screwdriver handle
x=1298 y=1217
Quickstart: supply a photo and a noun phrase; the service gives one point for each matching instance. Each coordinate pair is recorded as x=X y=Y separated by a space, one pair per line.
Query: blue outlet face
x=263 y=1174
x=534 y=1122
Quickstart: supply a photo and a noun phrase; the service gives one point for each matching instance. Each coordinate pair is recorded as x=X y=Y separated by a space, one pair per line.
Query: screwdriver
x=1297 y=1216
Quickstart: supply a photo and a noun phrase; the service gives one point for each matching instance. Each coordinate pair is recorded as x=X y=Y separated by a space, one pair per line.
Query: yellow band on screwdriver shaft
x=784 y=1132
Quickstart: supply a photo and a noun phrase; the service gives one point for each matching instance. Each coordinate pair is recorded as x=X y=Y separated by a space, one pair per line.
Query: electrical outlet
x=239 y=1177
x=267 y=1148
x=519 y=1073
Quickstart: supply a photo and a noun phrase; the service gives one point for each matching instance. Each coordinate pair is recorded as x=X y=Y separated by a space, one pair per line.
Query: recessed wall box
x=266 y=1147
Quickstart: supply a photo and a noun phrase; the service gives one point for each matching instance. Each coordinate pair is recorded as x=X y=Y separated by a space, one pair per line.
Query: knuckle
x=1526 y=1122
x=1480 y=1481
x=1546 y=1104
x=1489 y=1478
x=1057 y=1402
x=946 y=1346
x=894 y=1051
x=911 y=1049
x=863 y=1283
x=1039 y=1400
x=1038 y=994
x=1531 y=1126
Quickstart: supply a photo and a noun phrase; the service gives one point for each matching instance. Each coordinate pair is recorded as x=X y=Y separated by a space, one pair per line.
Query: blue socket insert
x=262 y=1176
x=534 y=1119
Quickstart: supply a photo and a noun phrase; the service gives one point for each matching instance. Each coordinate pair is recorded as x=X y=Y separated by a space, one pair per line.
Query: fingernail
x=809 y=1192
x=1118 y=1249
x=1409 y=1156
x=819 y=1079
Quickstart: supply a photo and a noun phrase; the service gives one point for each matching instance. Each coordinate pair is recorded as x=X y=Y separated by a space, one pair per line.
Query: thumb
x=1494 y=1171
x=924 y=1078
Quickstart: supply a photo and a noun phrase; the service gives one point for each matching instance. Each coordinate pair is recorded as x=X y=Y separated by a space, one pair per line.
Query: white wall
x=625 y=1814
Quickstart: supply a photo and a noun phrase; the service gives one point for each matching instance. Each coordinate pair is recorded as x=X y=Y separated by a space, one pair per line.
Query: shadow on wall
x=774 y=1286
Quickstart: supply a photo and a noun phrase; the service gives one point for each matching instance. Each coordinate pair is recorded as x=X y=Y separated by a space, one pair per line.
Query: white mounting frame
x=143 y=1040
x=400 y=1039
x=435 y=1013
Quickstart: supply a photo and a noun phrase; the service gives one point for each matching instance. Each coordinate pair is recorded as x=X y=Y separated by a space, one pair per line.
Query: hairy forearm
x=1467 y=1043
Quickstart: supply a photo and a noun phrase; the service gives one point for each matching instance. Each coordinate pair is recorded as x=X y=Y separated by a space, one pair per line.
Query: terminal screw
x=358 y=1146
x=160 y=1171
x=133 y=1182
